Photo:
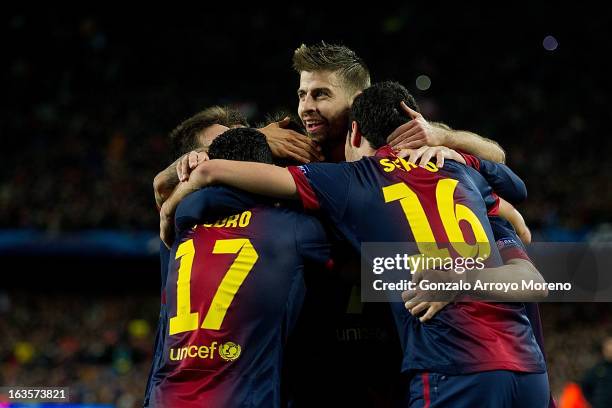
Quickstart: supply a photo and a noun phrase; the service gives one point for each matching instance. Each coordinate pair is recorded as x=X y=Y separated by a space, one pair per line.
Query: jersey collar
x=385 y=151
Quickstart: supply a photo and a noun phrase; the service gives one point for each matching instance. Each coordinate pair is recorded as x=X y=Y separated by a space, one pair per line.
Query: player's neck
x=365 y=149
x=368 y=150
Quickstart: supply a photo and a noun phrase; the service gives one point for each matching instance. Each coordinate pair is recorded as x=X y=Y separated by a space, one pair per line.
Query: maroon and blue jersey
x=383 y=198
x=158 y=347
x=233 y=292
x=511 y=247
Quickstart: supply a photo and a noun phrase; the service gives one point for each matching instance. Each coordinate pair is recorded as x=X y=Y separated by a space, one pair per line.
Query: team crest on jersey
x=230 y=351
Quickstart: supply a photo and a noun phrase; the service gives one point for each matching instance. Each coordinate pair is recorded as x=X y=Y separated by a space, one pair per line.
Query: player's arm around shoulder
x=473 y=143
x=257 y=178
x=166 y=180
x=517 y=269
x=418 y=132
x=507 y=211
x=424 y=154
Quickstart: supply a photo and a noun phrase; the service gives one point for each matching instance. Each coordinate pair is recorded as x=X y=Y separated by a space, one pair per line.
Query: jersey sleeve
x=324 y=187
x=511 y=247
x=312 y=241
x=208 y=204
x=499 y=176
x=490 y=199
x=164 y=258
x=508 y=243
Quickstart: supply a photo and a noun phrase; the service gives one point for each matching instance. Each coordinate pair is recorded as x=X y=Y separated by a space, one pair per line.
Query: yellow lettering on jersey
x=388 y=167
x=234 y=221
x=403 y=165
x=397 y=164
x=430 y=166
x=203 y=352
x=220 y=223
x=245 y=218
x=407 y=165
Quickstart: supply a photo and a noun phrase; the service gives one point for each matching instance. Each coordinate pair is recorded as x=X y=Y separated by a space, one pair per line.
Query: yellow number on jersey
x=450 y=214
x=237 y=273
x=185 y=320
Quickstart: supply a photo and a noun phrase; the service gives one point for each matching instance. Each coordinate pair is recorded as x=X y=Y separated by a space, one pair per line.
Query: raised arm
x=496 y=287
x=516 y=261
x=258 y=178
x=205 y=205
x=431 y=302
x=514 y=271
x=212 y=203
x=166 y=180
x=419 y=132
x=507 y=211
x=164 y=184
x=499 y=176
x=518 y=265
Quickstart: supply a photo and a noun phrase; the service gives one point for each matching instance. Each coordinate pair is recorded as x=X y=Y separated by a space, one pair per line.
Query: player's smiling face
x=324 y=105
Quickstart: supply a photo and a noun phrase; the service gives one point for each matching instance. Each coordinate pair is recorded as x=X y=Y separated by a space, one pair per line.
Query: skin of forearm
x=164 y=183
x=514 y=271
x=510 y=213
x=257 y=178
x=181 y=191
x=472 y=143
x=477 y=145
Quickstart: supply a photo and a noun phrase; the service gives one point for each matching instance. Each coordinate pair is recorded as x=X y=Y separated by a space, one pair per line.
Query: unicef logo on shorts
x=230 y=351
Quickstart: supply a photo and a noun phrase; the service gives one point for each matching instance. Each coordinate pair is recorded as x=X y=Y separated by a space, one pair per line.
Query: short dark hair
x=295 y=123
x=335 y=58
x=242 y=144
x=377 y=111
x=184 y=137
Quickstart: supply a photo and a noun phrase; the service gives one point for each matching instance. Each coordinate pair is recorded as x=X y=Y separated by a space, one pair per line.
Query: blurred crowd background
x=89 y=98
x=101 y=349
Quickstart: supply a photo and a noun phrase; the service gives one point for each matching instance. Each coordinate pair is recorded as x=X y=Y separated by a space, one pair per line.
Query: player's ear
x=355 y=135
